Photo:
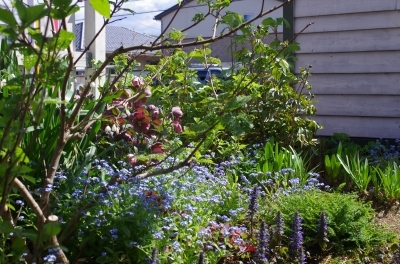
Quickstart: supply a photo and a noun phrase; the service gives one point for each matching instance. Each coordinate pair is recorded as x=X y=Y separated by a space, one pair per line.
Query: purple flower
x=296 y=240
x=279 y=224
x=50 y=258
x=20 y=202
x=263 y=240
x=201 y=258
x=154 y=259
x=253 y=205
x=49 y=188
x=322 y=228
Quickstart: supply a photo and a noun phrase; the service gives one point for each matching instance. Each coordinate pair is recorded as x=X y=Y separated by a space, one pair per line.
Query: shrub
x=350 y=222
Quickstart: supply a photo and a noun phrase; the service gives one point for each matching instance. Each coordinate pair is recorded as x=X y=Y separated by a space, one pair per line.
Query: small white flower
x=12 y=76
x=114 y=128
x=108 y=129
x=3 y=83
x=92 y=85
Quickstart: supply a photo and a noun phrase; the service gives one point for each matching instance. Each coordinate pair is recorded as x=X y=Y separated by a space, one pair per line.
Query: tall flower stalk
x=263 y=241
x=296 y=240
x=253 y=206
x=322 y=230
x=279 y=227
x=201 y=258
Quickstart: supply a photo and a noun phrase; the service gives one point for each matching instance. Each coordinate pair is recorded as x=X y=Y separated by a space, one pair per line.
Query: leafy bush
x=350 y=222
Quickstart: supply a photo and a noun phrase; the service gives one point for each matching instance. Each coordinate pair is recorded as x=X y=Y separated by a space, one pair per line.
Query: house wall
x=222 y=49
x=205 y=28
x=354 y=49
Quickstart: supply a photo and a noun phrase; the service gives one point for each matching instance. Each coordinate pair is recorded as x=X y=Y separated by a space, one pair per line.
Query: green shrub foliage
x=350 y=221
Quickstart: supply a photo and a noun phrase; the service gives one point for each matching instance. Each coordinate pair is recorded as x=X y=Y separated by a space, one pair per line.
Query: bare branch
x=29 y=199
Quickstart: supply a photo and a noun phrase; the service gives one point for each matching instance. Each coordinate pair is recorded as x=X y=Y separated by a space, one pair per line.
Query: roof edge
x=171 y=9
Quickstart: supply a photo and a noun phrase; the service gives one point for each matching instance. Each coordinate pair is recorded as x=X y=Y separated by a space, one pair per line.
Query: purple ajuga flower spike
x=278 y=233
x=253 y=206
x=396 y=257
x=322 y=228
x=263 y=241
x=201 y=258
x=296 y=240
x=154 y=259
x=279 y=225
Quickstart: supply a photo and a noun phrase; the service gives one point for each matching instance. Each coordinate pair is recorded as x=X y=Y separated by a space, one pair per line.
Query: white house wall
x=205 y=28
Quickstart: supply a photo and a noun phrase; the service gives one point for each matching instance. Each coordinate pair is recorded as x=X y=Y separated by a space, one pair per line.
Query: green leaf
x=8 y=18
x=30 y=235
x=64 y=39
x=18 y=245
x=22 y=169
x=28 y=15
x=51 y=229
x=126 y=231
x=29 y=178
x=102 y=7
x=29 y=61
x=176 y=35
x=50 y=100
x=237 y=102
x=63 y=13
x=6 y=227
x=20 y=155
x=62 y=3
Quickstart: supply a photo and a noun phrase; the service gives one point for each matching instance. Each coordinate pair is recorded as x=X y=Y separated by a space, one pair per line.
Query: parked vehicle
x=204 y=74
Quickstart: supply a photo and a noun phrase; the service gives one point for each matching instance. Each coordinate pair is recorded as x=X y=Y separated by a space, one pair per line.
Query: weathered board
x=323 y=7
x=350 y=41
x=347 y=22
x=357 y=84
x=356 y=62
x=358 y=105
x=368 y=127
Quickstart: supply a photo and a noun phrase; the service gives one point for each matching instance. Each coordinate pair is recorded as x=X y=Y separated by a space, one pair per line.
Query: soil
x=390 y=218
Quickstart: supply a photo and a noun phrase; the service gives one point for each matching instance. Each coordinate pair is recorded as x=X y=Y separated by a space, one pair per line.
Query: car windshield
x=216 y=73
x=202 y=75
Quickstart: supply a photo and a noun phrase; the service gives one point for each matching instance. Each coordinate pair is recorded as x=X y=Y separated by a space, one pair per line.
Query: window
x=247 y=17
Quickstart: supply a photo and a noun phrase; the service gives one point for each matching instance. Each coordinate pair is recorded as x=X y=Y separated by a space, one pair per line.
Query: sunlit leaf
x=102 y=7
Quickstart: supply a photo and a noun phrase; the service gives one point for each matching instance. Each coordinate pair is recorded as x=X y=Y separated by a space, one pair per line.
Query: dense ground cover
x=222 y=213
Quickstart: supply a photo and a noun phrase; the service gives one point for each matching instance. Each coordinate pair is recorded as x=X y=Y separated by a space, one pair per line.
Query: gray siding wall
x=354 y=49
x=222 y=49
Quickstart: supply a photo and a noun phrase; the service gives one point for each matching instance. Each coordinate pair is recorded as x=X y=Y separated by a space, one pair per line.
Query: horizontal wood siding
x=360 y=105
x=357 y=62
x=351 y=41
x=356 y=84
x=367 y=127
x=324 y=7
x=358 y=21
x=354 y=49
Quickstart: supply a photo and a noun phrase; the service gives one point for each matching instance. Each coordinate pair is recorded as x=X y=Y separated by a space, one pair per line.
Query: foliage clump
x=350 y=223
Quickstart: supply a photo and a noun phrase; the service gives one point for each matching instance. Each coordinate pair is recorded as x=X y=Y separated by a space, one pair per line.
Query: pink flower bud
x=137 y=81
x=156 y=148
x=177 y=127
x=153 y=110
x=147 y=92
x=130 y=158
x=176 y=111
